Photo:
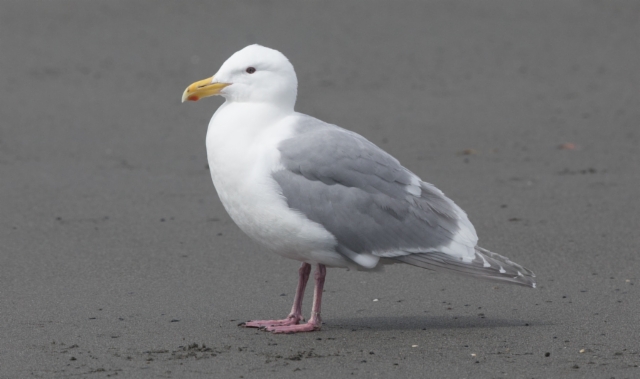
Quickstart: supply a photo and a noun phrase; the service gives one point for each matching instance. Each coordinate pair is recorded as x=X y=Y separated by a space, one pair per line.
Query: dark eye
x=251 y=70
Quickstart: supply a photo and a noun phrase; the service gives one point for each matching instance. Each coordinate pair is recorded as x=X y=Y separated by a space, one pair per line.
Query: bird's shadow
x=425 y=323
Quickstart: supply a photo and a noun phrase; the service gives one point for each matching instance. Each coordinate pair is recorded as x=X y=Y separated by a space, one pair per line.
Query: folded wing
x=377 y=208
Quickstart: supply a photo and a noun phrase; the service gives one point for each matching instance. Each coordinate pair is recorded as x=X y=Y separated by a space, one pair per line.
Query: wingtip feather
x=487 y=265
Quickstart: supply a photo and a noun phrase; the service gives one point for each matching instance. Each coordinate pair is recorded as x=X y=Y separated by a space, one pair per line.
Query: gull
x=322 y=195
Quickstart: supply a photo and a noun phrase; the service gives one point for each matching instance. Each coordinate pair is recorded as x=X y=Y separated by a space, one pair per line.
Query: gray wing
x=370 y=202
x=363 y=195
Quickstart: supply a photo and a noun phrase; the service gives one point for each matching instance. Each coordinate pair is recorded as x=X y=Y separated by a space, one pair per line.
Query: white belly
x=241 y=159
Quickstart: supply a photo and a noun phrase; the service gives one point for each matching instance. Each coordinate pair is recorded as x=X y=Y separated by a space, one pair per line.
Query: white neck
x=284 y=99
x=239 y=117
x=242 y=141
x=240 y=127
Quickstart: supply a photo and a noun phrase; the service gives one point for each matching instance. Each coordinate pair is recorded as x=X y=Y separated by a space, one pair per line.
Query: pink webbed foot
x=311 y=326
x=289 y=321
x=291 y=324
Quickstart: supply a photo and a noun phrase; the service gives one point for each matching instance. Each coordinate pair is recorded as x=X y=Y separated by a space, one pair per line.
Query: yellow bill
x=203 y=88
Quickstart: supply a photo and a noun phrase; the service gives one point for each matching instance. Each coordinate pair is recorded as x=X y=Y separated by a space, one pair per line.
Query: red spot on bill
x=193 y=98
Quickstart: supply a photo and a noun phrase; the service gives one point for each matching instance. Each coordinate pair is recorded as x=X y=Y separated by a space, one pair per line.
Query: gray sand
x=116 y=257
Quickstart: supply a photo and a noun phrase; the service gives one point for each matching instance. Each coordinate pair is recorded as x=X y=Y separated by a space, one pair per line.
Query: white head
x=253 y=74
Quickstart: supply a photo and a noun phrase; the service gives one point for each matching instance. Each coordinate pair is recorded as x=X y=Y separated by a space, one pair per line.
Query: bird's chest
x=240 y=170
x=241 y=165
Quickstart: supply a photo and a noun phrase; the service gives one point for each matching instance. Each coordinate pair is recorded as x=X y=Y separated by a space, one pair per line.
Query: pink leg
x=296 y=311
x=314 y=322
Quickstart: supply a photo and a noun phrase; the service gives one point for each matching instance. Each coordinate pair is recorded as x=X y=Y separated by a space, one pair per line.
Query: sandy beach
x=118 y=260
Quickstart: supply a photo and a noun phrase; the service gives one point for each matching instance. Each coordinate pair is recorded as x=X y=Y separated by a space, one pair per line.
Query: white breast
x=242 y=142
